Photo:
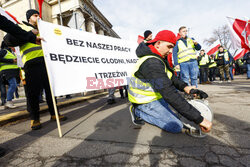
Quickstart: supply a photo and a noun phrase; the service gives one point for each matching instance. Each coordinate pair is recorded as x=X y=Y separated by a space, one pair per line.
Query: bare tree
x=223 y=34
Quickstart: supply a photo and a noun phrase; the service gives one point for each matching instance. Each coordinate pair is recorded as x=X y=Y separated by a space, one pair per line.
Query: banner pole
x=54 y=102
x=53 y=98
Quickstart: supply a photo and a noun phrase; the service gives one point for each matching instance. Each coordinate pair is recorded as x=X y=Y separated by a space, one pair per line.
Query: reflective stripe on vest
x=6 y=66
x=204 y=60
x=140 y=91
x=213 y=63
x=185 y=53
x=30 y=51
x=226 y=57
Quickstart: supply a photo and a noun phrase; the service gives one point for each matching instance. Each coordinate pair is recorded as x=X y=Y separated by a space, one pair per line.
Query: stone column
x=90 y=25
x=100 y=31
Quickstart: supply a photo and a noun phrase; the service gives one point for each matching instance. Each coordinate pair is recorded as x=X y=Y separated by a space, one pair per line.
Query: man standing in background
x=247 y=59
x=35 y=71
x=223 y=61
x=184 y=54
x=203 y=61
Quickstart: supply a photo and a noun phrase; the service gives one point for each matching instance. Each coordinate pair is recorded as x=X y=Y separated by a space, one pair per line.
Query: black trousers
x=212 y=73
x=37 y=79
x=203 y=74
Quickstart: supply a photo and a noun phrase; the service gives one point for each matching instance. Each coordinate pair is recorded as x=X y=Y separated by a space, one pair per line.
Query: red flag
x=213 y=48
x=178 y=36
x=13 y=17
x=240 y=53
x=40 y=3
x=240 y=31
x=140 y=39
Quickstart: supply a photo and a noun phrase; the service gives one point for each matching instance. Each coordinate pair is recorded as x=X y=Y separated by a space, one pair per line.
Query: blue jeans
x=230 y=73
x=189 y=70
x=248 y=70
x=159 y=114
x=11 y=89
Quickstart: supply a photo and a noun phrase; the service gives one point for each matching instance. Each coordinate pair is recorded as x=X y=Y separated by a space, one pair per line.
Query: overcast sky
x=131 y=18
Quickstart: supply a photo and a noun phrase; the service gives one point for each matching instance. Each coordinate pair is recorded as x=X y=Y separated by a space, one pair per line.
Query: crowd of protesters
x=149 y=103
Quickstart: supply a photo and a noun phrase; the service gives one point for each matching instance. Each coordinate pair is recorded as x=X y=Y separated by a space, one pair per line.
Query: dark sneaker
x=61 y=118
x=35 y=125
x=111 y=101
x=136 y=120
x=2 y=152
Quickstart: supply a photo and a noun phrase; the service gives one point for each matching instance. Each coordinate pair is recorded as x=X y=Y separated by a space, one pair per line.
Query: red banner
x=40 y=3
x=140 y=39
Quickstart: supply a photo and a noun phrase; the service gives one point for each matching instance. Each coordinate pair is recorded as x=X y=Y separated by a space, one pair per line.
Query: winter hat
x=147 y=33
x=30 y=12
x=164 y=35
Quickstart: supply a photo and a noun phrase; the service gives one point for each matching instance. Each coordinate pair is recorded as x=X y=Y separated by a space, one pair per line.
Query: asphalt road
x=97 y=134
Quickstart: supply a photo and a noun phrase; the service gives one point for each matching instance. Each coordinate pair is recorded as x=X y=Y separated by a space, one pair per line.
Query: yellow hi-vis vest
x=240 y=62
x=204 y=60
x=7 y=66
x=213 y=63
x=140 y=92
x=185 y=53
x=29 y=50
x=226 y=57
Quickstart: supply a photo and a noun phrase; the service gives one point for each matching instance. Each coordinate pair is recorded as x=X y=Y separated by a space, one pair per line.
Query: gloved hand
x=199 y=93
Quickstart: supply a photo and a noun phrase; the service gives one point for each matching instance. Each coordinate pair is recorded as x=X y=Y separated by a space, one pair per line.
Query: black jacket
x=16 y=31
x=247 y=58
x=11 y=40
x=10 y=73
x=153 y=69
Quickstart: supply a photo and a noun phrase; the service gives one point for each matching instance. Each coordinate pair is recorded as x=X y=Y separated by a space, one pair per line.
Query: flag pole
x=59 y=3
x=238 y=19
x=52 y=96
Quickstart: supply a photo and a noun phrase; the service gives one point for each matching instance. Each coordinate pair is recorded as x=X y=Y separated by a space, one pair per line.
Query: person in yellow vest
x=153 y=87
x=212 y=68
x=9 y=27
x=223 y=61
x=185 y=58
x=203 y=61
x=35 y=72
x=9 y=70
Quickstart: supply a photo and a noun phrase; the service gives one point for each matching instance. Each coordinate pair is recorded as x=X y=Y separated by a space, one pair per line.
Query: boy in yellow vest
x=203 y=61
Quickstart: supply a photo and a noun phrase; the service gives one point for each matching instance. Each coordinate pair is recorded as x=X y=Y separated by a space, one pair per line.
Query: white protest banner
x=79 y=61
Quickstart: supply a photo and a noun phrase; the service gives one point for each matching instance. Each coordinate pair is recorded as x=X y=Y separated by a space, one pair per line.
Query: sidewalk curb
x=25 y=114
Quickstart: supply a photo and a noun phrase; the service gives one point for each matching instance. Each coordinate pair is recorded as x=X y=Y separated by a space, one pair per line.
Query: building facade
x=80 y=14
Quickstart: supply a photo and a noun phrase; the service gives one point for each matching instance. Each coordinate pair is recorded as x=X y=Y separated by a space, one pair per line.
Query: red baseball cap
x=164 y=35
